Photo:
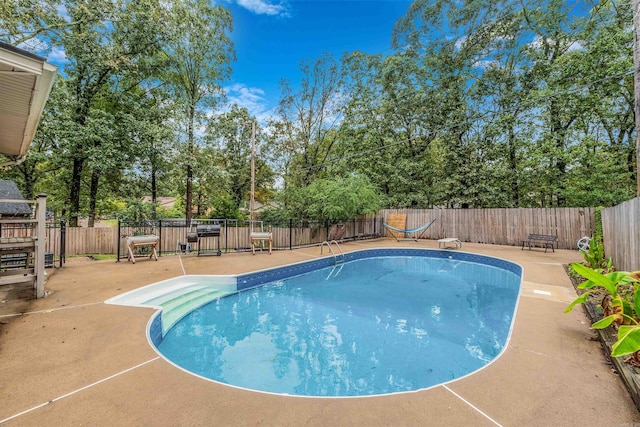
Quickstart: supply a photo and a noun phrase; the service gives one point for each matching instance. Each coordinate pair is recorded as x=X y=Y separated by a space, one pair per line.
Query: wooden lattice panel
x=396 y=220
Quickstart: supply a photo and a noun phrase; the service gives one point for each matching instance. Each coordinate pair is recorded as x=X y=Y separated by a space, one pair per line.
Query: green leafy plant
x=594 y=257
x=621 y=305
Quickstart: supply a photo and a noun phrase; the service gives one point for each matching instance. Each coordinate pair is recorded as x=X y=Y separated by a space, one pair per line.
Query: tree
x=153 y=141
x=339 y=199
x=32 y=22
x=231 y=134
x=305 y=128
x=388 y=119
x=200 y=52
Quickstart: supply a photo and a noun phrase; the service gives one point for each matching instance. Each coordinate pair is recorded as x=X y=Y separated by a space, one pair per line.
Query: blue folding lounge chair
x=408 y=232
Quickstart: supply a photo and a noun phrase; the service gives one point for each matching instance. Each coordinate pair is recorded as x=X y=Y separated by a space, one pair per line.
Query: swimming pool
x=385 y=321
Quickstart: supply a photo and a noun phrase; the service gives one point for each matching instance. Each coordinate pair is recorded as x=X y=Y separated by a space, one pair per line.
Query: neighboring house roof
x=165 y=202
x=9 y=190
x=257 y=206
x=25 y=84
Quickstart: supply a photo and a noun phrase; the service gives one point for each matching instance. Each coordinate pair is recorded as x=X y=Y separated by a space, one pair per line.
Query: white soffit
x=25 y=84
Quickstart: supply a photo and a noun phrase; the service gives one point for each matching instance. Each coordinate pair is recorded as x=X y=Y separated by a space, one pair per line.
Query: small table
x=442 y=243
x=260 y=237
x=150 y=241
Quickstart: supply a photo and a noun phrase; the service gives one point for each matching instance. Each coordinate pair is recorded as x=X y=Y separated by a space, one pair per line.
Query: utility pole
x=253 y=172
x=635 y=4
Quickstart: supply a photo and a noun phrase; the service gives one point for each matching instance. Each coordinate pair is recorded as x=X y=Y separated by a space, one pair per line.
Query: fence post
x=63 y=241
x=355 y=231
x=41 y=217
x=118 y=244
x=160 y=237
x=326 y=226
x=291 y=234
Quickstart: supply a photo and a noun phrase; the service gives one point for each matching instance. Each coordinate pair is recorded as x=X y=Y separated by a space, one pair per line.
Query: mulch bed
x=630 y=374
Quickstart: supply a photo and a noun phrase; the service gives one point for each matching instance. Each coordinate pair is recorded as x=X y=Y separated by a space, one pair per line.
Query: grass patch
x=96 y=257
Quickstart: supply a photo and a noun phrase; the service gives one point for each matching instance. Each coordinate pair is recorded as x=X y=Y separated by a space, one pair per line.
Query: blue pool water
x=370 y=326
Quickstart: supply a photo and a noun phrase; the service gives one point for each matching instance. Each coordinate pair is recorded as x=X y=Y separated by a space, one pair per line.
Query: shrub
x=621 y=305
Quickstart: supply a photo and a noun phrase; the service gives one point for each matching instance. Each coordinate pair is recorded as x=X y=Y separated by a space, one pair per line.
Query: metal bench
x=547 y=241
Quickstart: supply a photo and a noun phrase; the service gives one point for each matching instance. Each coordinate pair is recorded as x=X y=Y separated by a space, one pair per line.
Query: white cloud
x=537 y=43
x=251 y=98
x=63 y=12
x=243 y=95
x=460 y=42
x=575 y=46
x=264 y=7
x=57 y=56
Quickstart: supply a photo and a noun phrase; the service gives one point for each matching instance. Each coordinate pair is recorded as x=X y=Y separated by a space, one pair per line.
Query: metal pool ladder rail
x=339 y=258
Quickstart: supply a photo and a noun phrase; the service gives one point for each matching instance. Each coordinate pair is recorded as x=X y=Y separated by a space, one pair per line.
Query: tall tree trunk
x=558 y=133
x=74 y=193
x=513 y=166
x=189 y=196
x=154 y=189
x=27 y=175
x=93 y=196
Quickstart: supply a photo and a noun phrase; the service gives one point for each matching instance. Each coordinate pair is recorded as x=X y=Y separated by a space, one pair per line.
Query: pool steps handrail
x=329 y=244
x=337 y=268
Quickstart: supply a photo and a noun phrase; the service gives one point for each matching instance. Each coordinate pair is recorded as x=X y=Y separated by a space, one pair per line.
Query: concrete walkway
x=70 y=359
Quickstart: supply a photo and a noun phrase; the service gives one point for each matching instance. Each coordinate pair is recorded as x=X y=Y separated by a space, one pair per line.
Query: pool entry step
x=176 y=307
x=178 y=296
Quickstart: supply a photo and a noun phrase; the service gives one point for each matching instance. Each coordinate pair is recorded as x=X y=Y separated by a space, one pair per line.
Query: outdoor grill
x=208 y=230
x=204 y=231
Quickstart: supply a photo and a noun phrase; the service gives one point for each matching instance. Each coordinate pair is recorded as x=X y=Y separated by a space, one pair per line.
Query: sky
x=271 y=37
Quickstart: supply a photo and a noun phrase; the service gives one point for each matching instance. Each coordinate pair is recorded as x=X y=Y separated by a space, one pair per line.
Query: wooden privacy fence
x=502 y=226
x=491 y=226
x=95 y=240
x=621 y=234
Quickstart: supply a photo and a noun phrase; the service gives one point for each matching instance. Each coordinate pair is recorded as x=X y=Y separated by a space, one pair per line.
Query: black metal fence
x=55 y=255
x=234 y=235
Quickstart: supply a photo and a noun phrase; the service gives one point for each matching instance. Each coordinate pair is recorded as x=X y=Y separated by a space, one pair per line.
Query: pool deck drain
x=58 y=357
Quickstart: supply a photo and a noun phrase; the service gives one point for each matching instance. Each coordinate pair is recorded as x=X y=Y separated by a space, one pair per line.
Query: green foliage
x=224 y=206
x=594 y=257
x=136 y=211
x=175 y=212
x=231 y=134
x=112 y=206
x=340 y=198
x=200 y=52
x=304 y=131
x=621 y=304
x=335 y=199
x=275 y=215
x=482 y=104
x=597 y=229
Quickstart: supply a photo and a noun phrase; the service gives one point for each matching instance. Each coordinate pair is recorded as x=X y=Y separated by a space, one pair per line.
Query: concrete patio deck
x=70 y=359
